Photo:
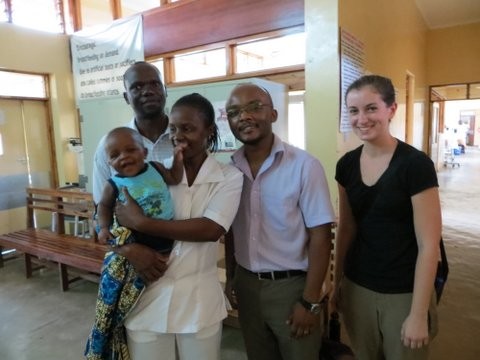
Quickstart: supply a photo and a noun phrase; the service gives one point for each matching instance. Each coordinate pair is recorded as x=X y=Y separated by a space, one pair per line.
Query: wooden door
x=25 y=160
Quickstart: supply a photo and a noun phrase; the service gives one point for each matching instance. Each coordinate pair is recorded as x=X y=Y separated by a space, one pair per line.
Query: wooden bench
x=46 y=238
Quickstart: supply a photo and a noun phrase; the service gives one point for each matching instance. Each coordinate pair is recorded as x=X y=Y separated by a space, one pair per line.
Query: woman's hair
x=381 y=84
x=207 y=112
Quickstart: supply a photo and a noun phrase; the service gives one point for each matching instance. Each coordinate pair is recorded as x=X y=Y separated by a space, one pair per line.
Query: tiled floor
x=39 y=322
x=459 y=310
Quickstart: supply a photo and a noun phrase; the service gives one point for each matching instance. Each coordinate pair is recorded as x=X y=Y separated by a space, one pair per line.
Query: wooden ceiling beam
x=75 y=10
x=195 y=23
x=116 y=9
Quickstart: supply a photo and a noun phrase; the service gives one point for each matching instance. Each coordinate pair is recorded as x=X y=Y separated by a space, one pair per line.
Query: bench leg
x=28 y=266
x=63 y=276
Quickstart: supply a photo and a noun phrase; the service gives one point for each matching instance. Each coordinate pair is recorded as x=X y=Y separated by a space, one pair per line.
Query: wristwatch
x=312 y=307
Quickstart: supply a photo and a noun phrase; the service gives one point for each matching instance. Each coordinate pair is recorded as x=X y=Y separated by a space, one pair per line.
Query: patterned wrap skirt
x=119 y=289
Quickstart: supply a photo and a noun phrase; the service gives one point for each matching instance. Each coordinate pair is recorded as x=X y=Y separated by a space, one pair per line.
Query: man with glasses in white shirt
x=281 y=235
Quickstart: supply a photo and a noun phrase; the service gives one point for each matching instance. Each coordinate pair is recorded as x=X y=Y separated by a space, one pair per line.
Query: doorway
x=25 y=157
x=464 y=121
x=459 y=190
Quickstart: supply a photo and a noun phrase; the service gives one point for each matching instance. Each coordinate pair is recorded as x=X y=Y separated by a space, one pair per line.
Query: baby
x=120 y=286
x=146 y=183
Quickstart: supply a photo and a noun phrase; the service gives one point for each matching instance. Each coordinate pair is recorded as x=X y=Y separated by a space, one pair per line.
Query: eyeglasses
x=251 y=108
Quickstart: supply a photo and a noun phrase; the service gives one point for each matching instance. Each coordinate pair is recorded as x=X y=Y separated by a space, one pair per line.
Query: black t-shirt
x=382 y=256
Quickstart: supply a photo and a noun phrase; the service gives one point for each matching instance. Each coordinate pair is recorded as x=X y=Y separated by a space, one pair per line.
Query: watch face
x=313 y=308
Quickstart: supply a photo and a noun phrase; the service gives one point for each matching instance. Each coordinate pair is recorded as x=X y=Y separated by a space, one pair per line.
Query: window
x=271 y=53
x=131 y=7
x=95 y=12
x=296 y=119
x=159 y=65
x=474 y=91
x=455 y=92
x=265 y=54
x=200 y=65
x=39 y=14
x=22 y=85
x=3 y=11
x=48 y=15
x=452 y=92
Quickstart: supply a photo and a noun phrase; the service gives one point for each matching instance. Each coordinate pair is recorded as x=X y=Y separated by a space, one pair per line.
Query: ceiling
x=445 y=13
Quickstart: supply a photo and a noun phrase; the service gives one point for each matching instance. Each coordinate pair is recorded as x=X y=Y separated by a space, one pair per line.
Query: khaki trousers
x=263 y=309
x=374 y=320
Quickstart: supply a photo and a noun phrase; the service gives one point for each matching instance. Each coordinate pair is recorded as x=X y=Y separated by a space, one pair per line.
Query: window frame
x=45 y=78
x=230 y=53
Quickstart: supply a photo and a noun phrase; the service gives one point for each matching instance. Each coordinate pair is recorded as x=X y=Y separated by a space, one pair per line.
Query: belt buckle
x=264 y=275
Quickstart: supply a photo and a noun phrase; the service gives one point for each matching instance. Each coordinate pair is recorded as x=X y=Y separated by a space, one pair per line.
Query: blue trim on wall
x=12 y=191
x=12 y=188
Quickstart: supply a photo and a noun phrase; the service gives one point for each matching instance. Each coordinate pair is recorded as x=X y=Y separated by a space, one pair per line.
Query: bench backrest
x=59 y=204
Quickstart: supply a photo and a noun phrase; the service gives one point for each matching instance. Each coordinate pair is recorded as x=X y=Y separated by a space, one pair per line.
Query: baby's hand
x=104 y=235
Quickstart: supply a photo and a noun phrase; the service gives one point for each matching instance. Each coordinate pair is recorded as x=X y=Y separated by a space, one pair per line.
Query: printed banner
x=101 y=55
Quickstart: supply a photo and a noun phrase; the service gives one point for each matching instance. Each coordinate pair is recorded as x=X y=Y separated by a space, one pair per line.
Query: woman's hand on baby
x=128 y=213
x=149 y=264
x=104 y=235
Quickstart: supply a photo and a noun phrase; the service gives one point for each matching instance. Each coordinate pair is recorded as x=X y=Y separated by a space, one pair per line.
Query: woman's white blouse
x=189 y=296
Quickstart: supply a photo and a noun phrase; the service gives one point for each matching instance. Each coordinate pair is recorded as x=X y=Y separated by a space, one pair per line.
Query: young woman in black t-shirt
x=388 y=234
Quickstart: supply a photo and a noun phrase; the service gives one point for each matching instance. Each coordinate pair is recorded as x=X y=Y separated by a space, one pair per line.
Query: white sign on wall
x=227 y=140
x=352 y=62
x=101 y=55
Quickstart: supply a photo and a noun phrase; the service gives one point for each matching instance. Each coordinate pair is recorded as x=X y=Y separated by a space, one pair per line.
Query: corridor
x=459 y=309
